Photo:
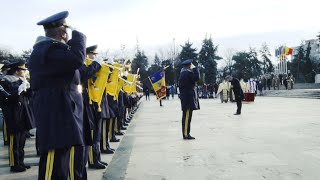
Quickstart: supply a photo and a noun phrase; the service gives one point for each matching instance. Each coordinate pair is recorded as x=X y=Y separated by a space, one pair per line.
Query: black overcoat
x=188 y=91
x=57 y=103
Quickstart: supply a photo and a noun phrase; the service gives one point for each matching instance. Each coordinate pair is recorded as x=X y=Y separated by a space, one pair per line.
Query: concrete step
x=295 y=93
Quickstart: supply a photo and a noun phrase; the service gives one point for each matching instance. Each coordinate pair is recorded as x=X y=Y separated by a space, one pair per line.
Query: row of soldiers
x=74 y=125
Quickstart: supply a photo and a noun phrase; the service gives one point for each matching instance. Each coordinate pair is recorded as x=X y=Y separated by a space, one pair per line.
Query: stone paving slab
x=274 y=138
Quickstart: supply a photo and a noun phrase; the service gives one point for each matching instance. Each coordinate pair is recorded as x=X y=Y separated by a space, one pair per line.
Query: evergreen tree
x=187 y=52
x=157 y=60
x=297 y=63
x=246 y=64
x=308 y=66
x=169 y=72
x=140 y=61
x=266 y=62
x=207 y=60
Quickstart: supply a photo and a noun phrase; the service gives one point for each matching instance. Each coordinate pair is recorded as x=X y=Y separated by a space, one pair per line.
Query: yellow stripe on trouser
x=11 y=155
x=49 y=165
x=71 y=163
x=104 y=134
x=110 y=128
x=116 y=125
x=186 y=123
x=5 y=131
x=91 y=151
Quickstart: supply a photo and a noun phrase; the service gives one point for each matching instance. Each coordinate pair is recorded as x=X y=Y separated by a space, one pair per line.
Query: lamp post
x=173 y=63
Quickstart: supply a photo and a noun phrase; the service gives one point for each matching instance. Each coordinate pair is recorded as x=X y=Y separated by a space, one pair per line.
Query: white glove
x=22 y=88
x=27 y=84
x=72 y=28
x=98 y=60
x=192 y=66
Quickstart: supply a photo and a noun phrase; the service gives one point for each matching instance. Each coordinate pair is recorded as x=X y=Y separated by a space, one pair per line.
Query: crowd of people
x=77 y=102
x=253 y=85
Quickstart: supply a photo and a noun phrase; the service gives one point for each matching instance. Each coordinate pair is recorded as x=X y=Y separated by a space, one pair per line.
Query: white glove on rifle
x=98 y=60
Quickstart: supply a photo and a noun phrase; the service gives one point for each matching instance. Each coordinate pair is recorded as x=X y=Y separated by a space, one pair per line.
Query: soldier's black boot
x=17 y=168
x=97 y=165
x=104 y=163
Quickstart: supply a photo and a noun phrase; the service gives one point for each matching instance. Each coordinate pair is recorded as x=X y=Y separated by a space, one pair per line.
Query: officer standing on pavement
x=15 y=110
x=3 y=97
x=57 y=103
x=188 y=95
x=238 y=93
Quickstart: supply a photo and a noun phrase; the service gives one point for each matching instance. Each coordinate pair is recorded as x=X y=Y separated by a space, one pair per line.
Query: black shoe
x=108 y=151
x=123 y=128
x=114 y=140
x=25 y=166
x=189 y=138
x=17 y=168
x=104 y=163
x=119 y=133
x=97 y=166
x=236 y=113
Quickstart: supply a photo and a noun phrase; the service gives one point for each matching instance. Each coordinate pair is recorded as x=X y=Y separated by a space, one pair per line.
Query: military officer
x=57 y=103
x=238 y=93
x=15 y=110
x=188 y=95
x=4 y=96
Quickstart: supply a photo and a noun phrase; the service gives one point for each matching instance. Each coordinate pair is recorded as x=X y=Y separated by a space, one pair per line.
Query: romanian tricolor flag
x=289 y=51
x=158 y=83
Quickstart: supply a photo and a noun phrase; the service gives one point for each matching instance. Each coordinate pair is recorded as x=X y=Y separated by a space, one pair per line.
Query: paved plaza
x=275 y=138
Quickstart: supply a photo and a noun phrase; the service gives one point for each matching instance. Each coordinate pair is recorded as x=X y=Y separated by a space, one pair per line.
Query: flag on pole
x=289 y=51
x=158 y=83
x=277 y=52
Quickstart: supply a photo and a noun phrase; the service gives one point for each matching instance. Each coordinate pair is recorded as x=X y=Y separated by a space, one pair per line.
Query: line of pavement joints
x=118 y=166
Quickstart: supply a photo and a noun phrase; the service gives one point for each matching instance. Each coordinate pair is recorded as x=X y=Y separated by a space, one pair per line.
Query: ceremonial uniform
x=17 y=114
x=57 y=103
x=80 y=153
x=188 y=96
x=114 y=113
x=105 y=115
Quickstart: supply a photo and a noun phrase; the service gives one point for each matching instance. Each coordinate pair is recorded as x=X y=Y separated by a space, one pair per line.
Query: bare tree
x=228 y=55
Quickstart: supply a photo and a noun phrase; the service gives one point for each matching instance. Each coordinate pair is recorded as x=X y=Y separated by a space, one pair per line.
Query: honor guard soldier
x=16 y=113
x=238 y=93
x=94 y=150
x=3 y=97
x=57 y=103
x=188 y=95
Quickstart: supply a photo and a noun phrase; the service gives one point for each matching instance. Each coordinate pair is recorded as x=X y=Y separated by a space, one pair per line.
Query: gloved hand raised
x=98 y=60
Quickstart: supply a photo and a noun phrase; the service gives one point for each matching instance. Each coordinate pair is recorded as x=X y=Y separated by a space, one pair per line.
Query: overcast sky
x=235 y=24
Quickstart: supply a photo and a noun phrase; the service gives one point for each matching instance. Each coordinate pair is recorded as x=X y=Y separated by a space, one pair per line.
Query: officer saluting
x=57 y=104
x=188 y=95
x=15 y=110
